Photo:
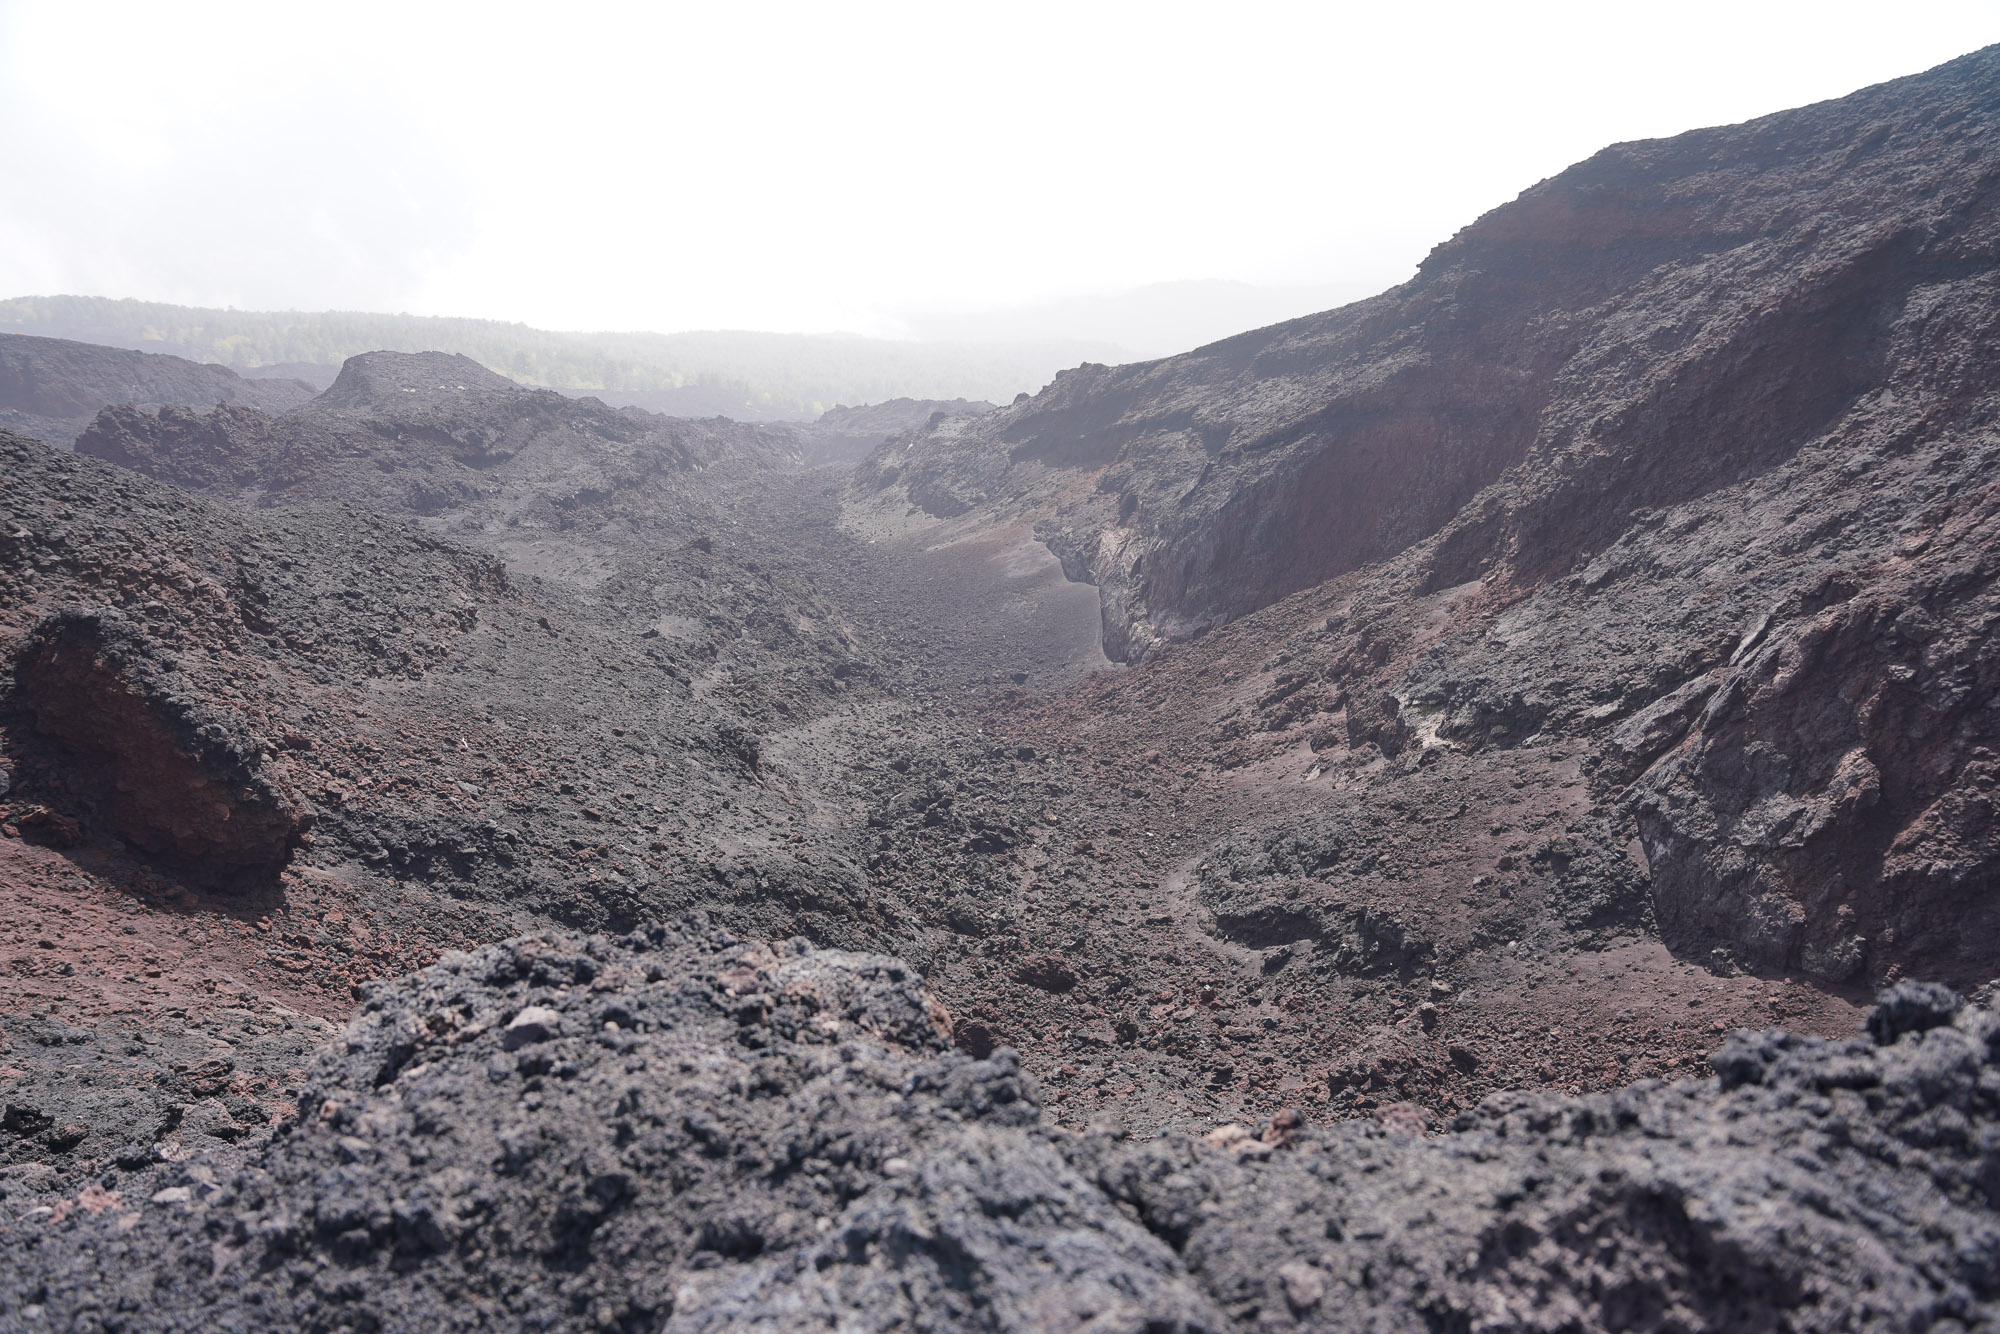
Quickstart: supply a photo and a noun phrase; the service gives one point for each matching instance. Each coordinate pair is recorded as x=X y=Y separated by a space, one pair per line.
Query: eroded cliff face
x=1666 y=318
x=1686 y=455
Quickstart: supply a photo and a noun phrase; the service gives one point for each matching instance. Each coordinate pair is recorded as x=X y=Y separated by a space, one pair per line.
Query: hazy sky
x=826 y=166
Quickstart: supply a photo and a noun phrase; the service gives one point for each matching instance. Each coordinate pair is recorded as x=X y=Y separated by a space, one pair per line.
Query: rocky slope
x=1593 y=658
x=424 y=433
x=250 y=758
x=1677 y=470
x=844 y=435
x=253 y=757
x=50 y=388
x=1662 y=320
x=678 y=1130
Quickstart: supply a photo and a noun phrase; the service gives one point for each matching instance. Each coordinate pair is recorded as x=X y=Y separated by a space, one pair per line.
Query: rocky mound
x=678 y=1130
x=844 y=435
x=423 y=433
x=51 y=387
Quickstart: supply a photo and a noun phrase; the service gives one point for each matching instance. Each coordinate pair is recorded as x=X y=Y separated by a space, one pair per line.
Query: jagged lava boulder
x=184 y=776
x=679 y=1130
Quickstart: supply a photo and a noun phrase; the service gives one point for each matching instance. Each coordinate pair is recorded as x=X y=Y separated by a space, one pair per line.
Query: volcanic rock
x=52 y=387
x=1531 y=676
x=1685 y=459
x=1833 y=802
x=845 y=435
x=186 y=779
x=222 y=450
x=735 y=1135
x=1659 y=321
x=421 y=433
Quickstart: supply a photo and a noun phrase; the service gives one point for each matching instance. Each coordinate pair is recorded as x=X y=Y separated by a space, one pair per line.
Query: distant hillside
x=50 y=388
x=748 y=375
x=1157 y=320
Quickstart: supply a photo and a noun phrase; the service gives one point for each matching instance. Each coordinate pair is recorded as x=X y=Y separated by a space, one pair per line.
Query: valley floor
x=1043 y=832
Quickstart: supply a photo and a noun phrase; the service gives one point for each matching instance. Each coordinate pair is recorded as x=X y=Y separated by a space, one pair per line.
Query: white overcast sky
x=832 y=166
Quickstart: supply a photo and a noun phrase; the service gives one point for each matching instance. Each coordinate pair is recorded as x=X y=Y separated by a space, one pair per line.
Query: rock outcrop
x=184 y=778
x=678 y=1130
x=1834 y=802
x=846 y=435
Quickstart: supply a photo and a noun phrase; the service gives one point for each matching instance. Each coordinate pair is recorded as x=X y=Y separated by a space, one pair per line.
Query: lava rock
x=536 y=1023
x=661 y=1160
x=51 y=387
x=185 y=778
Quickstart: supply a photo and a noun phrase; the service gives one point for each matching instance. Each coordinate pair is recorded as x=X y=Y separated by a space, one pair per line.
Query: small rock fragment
x=536 y=1023
x=1304 y=1285
x=1402 y=1118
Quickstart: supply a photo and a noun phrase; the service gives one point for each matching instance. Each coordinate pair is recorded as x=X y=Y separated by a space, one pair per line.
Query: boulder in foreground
x=691 y=1132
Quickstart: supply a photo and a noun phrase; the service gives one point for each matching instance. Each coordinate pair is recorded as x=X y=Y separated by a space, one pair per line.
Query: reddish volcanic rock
x=184 y=778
